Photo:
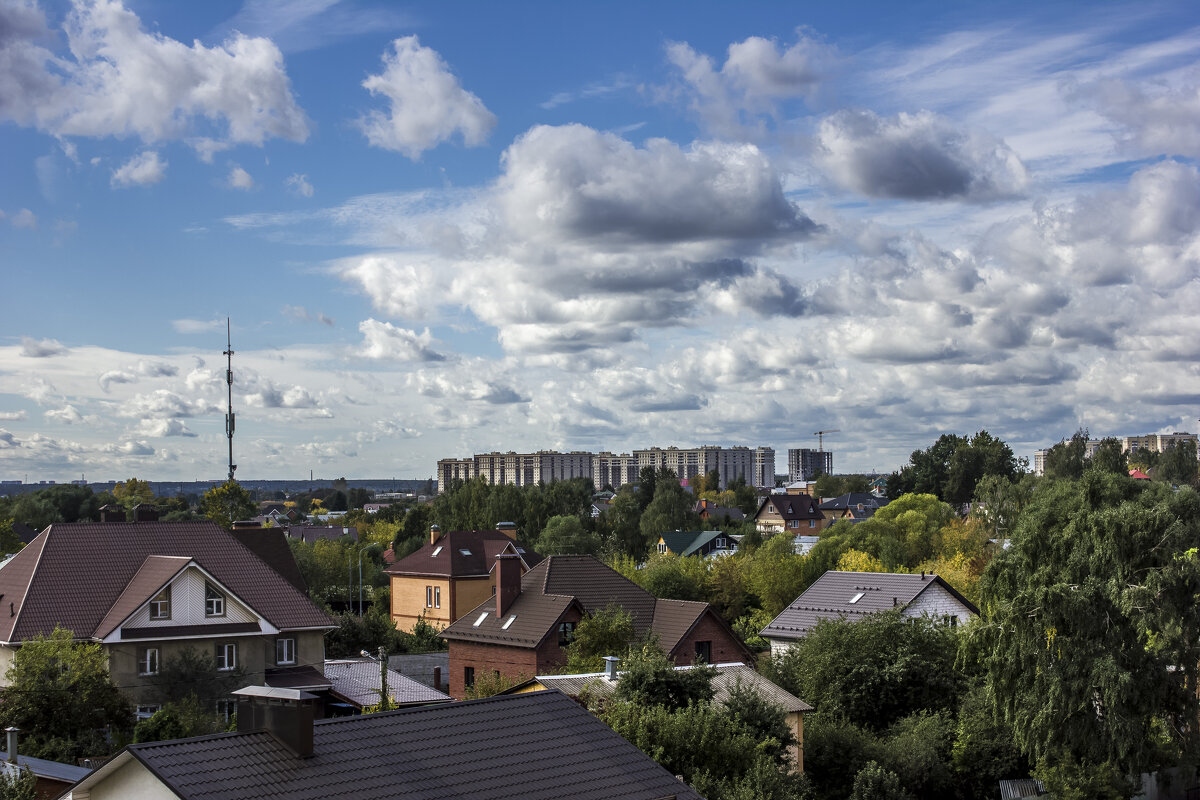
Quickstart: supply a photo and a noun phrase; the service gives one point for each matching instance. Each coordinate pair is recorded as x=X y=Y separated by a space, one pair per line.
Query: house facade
x=450 y=575
x=795 y=513
x=149 y=590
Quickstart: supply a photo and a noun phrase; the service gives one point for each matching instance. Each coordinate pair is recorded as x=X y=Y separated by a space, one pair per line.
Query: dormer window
x=214 y=602
x=160 y=606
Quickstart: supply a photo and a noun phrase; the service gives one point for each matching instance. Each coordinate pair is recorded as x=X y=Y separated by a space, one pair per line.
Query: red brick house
x=523 y=631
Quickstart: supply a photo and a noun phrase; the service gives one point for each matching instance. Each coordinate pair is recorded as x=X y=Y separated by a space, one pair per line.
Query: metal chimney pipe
x=12 y=743
x=610 y=667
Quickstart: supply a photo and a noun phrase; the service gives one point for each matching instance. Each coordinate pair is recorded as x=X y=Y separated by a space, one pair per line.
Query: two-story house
x=696 y=543
x=525 y=629
x=451 y=574
x=853 y=506
x=794 y=513
x=148 y=590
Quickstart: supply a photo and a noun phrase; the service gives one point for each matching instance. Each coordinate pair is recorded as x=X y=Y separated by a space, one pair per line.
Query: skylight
x=464 y=551
x=436 y=550
x=508 y=622
x=856 y=598
x=479 y=621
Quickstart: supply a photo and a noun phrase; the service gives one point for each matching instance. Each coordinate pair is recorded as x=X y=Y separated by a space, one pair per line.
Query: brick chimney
x=434 y=533
x=286 y=714
x=145 y=512
x=508 y=581
x=509 y=529
x=111 y=513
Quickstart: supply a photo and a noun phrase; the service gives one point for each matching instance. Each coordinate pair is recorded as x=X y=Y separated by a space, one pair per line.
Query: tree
x=672 y=509
x=227 y=503
x=179 y=720
x=763 y=719
x=192 y=674
x=1089 y=645
x=132 y=493
x=61 y=697
x=21 y=785
x=927 y=470
x=1178 y=463
x=650 y=678
x=1110 y=456
x=873 y=782
x=674 y=577
x=565 y=534
x=608 y=632
x=875 y=670
x=1065 y=460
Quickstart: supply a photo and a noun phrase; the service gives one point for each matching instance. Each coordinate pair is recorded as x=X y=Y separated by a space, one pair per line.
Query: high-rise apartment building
x=450 y=470
x=1156 y=442
x=764 y=468
x=804 y=464
x=610 y=469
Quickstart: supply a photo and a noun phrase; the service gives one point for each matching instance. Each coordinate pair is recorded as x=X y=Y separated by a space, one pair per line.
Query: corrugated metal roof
x=357 y=680
x=460 y=554
x=74 y=573
x=540 y=746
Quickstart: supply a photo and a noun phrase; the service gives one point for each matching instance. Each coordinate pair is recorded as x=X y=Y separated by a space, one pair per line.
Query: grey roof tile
x=357 y=680
x=460 y=554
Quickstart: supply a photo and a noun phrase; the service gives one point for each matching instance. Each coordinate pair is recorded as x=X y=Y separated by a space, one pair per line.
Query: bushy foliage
x=488 y=684
x=192 y=673
x=19 y=785
x=179 y=720
x=608 y=632
x=766 y=721
x=650 y=679
x=874 y=782
x=228 y=503
x=375 y=629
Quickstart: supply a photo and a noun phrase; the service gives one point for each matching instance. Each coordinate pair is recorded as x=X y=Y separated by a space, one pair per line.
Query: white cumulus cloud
x=143 y=169
x=386 y=342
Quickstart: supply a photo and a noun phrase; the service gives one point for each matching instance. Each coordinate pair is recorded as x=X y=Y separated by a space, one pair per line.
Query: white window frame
x=437 y=597
x=226 y=709
x=287 y=648
x=226 y=656
x=429 y=597
x=214 y=601
x=160 y=606
x=149 y=661
x=146 y=711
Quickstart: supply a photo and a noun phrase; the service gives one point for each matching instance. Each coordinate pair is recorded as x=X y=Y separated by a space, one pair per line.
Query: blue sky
x=442 y=229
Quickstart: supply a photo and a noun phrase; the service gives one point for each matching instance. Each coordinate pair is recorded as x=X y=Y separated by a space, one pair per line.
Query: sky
x=441 y=229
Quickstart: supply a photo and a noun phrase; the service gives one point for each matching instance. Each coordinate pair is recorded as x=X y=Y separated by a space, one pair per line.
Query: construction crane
x=821 y=438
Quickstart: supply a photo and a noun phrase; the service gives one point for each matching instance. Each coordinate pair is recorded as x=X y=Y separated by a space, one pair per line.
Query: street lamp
x=360 y=582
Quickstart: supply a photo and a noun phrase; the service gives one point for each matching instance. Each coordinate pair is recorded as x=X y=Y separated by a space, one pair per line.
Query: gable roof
x=727 y=676
x=685 y=543
x=460 y=554
x=831 y=596
x=539 y=746
x=155 y=573
x=73 y=574
x=790 y=507
x=853 y=500
x=553 y=586
x=271 y=545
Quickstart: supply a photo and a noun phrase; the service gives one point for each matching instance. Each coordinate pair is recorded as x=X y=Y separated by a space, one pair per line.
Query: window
x=566 y=633
x=856 y=598
x=704 y=652
x=468 y=677
x=148 y=661
x=720 y=542
x=214 y=602
x=437 y=597
x=662 y=547
x=950 y=621
x=812 y=523
x=436 y=550
x=160 y=606
x=465 y=551
x=285 y=651
x=146 y=712
x=793 y=523
x=508 y=622
x=479 y=621
x=429 y=597
x=226 y=656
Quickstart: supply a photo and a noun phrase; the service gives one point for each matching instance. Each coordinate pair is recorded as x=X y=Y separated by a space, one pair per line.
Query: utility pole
x=385 y=702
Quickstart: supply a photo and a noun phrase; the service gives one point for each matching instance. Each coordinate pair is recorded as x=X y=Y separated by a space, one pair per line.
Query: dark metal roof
x=790 y=507
x=830 y=597
x=540 y=746
x=73 y=574
x=686 y=543
x=271 y=545
x=357 y=680
x=853 y=500
x=461 y=554
x=304 y=676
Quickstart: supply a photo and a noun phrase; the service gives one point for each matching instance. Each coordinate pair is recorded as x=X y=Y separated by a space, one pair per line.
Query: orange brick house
x=451 y=574
x=524 y=630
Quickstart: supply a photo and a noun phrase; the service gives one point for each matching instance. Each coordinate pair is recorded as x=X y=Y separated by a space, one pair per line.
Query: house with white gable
x=853 y=595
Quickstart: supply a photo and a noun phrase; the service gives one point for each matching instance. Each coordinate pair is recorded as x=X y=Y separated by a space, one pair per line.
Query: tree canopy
x=951 y=467
x=227 y=503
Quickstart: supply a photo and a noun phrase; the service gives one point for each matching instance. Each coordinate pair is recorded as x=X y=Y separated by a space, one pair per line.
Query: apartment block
x=804 y=464
x=610 y=469
x=450 y=470
x=1156 y=442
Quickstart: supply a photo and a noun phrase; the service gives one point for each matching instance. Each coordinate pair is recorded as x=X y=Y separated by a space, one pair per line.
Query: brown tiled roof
x=155 y=573
x=536 y=616
x=540 y=746
x=271 y=545
x=830 y=595
x=594 y=584
x=791 y=507
x=73 y=574
x=673 y=619
x=460 y=554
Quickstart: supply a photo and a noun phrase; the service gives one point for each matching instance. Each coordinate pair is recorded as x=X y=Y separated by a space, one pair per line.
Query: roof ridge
x=29 y=583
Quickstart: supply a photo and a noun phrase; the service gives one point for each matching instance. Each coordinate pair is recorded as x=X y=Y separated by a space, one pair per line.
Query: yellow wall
x=408 y=602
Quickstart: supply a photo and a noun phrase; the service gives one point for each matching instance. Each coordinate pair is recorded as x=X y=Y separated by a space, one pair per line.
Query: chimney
x=111 y=513
x=610 y=668
x=246 y=525
x=508 y=581
x=895 y=602
x=286 y=714
x=509 y=529
x=12 y=743
x=434 y=533
x=144 y=512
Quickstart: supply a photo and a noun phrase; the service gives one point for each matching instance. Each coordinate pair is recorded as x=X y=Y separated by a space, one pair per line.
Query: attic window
x=436 y=550
x=479 y=621
x=856 y=598
x=521 y=550
x=508 y=622
x=465 y=551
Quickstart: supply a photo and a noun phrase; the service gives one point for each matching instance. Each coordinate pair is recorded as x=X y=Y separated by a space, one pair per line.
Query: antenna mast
x=229 y=381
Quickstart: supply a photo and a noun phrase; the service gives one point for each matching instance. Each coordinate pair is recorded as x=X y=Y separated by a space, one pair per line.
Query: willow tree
x=1091 y=630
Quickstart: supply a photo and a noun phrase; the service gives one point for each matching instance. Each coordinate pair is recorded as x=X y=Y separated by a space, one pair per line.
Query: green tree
x=1110 y=456
x=621 y=525
x=227 y=503
x=875 y=670
x=672 y=509
x=608 y=632
x=927 y=470
x=674 y=577
x=1178 y=463
x=984 y=751
x=179 y=720
x=1089 y=645
x=192 y=673
x=764 y=720
x=133 y=492
x=874 y=782
x=489 y=684
x=650 y=678
x=746 y=498
x=566 y=534
x=19 y=786
x=999 y=502
x=61 y=697
x=1065 y=460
